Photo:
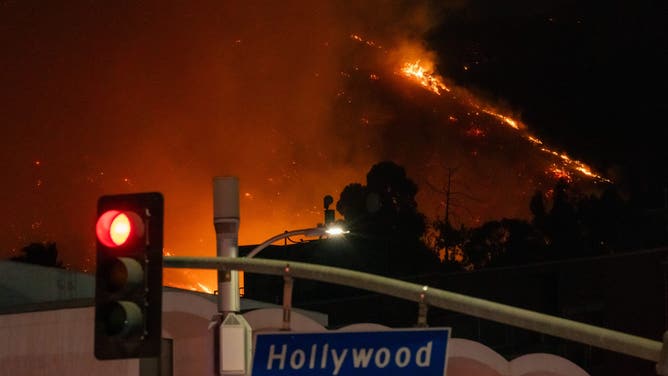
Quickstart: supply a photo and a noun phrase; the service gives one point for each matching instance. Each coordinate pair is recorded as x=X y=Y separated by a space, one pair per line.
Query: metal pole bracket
x=288 y=282
x=662 y=365
x=423 y=308
x=216 y=319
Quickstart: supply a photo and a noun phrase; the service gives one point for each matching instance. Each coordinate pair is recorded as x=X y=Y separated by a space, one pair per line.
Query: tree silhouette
x=447 y=241
x=383 y=214
x=537 y=208
x=578 y=225
x=485 y=243
x=560 y=226
x=352 y=205
x=565 y=223
x=45 y=254
x=386 y=205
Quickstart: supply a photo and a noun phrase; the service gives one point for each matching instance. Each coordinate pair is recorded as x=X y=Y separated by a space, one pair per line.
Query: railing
x=428 y=296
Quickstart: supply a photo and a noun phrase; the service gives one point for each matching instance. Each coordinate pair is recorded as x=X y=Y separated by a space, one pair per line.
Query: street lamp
x=331 y=230
x=311 y=232
x=234 y=334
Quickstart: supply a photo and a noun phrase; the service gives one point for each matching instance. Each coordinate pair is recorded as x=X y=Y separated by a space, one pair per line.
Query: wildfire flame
x=508 y=120
x=423 y=74
x=426 y=78
x=560 y=173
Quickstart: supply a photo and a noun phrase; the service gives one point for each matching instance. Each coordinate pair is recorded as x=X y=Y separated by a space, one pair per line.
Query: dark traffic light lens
x=118 y=276
x=124 y=274
x=123 y=318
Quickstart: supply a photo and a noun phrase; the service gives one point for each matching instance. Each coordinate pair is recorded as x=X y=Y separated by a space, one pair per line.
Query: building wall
x=60 y=342
x=56 y=342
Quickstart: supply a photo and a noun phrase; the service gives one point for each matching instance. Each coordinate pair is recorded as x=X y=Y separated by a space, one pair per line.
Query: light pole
x=331 y=229
x=226 y=224
x=234 y=334
x=311 y=232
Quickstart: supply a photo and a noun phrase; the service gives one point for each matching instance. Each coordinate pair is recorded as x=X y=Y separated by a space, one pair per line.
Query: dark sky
x=104 y=97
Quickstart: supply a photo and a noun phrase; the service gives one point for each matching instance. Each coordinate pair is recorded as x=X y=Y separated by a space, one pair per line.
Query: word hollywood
x=352 y=353
x=360 y=357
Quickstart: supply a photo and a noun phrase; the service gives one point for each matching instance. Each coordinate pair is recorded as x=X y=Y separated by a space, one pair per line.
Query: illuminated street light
x=310 y=232
x=235 y=337
x=234 y=334
x=336 y=231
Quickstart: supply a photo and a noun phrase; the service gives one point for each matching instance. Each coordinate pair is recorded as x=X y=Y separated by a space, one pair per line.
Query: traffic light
x=128 y=281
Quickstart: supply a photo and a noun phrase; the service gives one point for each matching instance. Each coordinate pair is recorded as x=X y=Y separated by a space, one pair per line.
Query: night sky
x=101 y=98
x=588 y=77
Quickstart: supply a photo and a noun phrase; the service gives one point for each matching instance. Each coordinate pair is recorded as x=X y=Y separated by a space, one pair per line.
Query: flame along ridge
x=432 y=82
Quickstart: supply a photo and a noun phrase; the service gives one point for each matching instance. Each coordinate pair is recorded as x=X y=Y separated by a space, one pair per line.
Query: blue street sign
x=392 y=352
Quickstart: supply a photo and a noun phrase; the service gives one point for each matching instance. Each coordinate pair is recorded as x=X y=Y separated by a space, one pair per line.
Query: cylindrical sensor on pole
x=226 y=224
x=226 y=204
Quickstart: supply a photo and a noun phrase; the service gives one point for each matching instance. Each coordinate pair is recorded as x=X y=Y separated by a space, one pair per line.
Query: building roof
x=27 y=287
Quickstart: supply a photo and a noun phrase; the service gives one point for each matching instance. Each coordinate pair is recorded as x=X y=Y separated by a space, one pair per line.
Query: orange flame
x=508 y=120
x=560 y=173
x=424 y=77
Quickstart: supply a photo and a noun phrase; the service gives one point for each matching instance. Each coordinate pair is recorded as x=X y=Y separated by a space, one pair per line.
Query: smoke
x=104 y=98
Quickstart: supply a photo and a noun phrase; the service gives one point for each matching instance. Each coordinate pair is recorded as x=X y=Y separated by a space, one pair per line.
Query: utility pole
x=226 y=224
x=452 y=206
x=447 y=196
x=233 y=334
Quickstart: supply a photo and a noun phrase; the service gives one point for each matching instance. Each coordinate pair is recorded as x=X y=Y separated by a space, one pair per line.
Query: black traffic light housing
x=128 y=280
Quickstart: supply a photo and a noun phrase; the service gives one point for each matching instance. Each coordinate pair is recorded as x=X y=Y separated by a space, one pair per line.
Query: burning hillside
x=404 y=111
x=292 y=98
x=562 y=168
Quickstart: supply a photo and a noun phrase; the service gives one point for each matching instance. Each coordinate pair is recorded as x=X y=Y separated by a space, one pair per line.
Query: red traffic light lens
x=119 y=230
x=116 y=228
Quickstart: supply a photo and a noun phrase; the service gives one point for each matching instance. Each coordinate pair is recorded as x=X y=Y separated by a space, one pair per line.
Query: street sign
x=420 y=351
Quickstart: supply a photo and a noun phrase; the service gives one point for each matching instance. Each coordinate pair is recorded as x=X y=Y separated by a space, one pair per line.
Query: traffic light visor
x=116 y=228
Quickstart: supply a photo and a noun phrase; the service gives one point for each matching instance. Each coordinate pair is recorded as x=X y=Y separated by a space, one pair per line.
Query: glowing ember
x=511 y=122
x=424 y=77
x=585 y=170
x=534 y=140
x=369 y=43
x=560 y=173
x=476 y=132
